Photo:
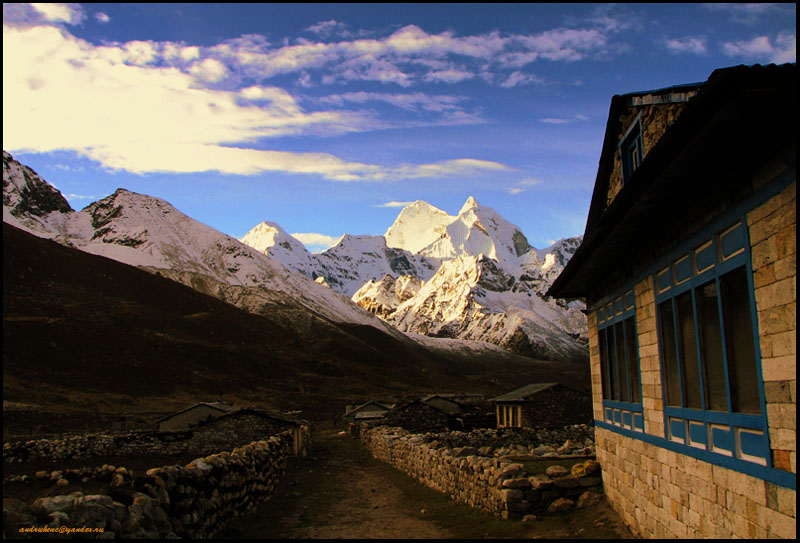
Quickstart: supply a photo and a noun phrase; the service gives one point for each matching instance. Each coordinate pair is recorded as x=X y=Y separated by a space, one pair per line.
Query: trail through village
x=340 y=492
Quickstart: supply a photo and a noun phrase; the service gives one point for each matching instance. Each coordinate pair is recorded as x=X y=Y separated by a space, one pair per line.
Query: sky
x=328 y=118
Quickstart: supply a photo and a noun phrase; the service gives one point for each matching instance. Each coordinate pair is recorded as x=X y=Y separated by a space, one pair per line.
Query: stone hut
x=445 y=403
x=542 y=405
x=417 y=417
x=688 y=269
x=252 y=424
x=370 y=410
x=193 y=415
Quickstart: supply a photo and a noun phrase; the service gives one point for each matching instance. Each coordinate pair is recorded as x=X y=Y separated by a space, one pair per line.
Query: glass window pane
x=612 y=364
x=622 y=370
x=688 y=351
x=605 y=378
x=633 y=359
x=740 y=347
x=669 y=353
x=711 y=347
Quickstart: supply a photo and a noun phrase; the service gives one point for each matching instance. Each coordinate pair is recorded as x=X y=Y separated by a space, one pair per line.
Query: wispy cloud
x=102 y=18
x=517 y=78
x=330 y=28
x=316 y=242
x=393 y=204
x=745 y=12
x=524 y=185
x=781 y=49
x=564 y=120
x=696 y=45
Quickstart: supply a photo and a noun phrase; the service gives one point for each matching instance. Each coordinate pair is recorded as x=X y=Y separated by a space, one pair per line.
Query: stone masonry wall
x=664 y=494
x=773 y=237
x=493 y=484
x=218 y=434
x=193 y=501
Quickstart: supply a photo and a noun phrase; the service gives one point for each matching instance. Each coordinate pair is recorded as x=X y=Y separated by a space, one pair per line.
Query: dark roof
x=218 y=406
x=357 y=408
x=266 y=413
x=417 y=403
x=522 y=394
x=740 y=116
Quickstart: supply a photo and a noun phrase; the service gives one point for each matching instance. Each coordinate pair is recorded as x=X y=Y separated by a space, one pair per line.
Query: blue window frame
x=619 y=362
x=631 y=150
x=709 y=349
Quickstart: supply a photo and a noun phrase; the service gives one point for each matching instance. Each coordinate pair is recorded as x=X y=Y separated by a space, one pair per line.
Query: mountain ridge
x=448 y=261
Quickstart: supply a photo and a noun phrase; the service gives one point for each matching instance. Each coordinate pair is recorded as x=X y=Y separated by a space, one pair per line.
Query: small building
x=417 y=416
x=370 y=410
x=193 y=415
x=542 y=405
x=688 y=268
x=444 y=402
x=252 y=424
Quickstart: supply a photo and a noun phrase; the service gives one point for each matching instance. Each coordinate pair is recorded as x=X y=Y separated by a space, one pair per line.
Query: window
x=509 y=416
x=709 y=358
x=631 y=150
x=619 y=362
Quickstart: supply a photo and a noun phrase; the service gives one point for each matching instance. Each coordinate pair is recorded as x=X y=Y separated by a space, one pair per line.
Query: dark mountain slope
x=82 y=332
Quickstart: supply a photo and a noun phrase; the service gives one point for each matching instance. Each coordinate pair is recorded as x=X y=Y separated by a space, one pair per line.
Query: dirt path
x=341 y=492
x=338 y=492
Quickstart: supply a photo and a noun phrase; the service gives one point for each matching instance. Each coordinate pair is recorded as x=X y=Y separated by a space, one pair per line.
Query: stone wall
x=493 y=484
x=773 y=237
x=664 y=494
x=222 y=433
x=193 y=501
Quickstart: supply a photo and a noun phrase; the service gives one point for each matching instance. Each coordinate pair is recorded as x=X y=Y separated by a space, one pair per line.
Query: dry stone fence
x=472 y=474
x=196 y=500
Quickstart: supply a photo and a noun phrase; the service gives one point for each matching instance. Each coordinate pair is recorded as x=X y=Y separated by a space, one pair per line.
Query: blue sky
x=327 y=118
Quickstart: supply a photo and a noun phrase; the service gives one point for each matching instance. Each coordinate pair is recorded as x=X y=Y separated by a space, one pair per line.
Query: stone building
x=418 y=416
x=688 y=268
x=370 y=410
x=193 y=415
x=542 y=405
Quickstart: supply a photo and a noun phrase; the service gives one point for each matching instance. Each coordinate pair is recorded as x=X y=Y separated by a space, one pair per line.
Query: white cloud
x=102 y=18
x=448 y=76
x=692 y=45
x=563 y=120
x=519 y=78
x=746 y=12
x=525 y=184
x=316 y=242
x=60 y=13
x=393 y=204
x=329 y=28
x=209 y=70
x=782 y=50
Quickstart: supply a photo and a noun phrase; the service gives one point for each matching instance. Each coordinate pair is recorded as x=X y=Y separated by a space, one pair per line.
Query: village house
x=418 y=416
x=688 y=269
x=370 y=410
x=541 y=405
x=192 y=415
x=250 y=424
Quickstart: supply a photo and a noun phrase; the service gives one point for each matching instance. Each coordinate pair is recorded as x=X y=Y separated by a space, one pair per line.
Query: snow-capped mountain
x=472 y=276
x=346 y=266
x=148 y=232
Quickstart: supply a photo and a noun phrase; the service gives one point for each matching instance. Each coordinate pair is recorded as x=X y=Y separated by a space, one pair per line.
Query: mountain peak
x=471 y=203
x=417 y=225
